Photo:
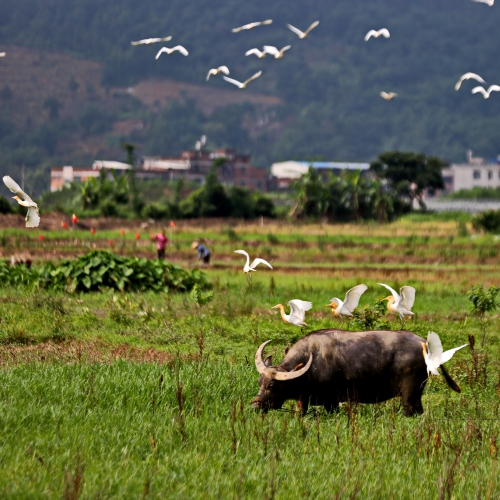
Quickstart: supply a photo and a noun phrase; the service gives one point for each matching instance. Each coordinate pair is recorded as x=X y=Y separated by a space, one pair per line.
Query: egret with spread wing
x=243 y=85
x=33 y=215
x=274 y=51
x=297 y=314
x=486 y=93
x=434 y=355
x=218 y=71
x=251 y=26
x=401 y=304
x=303 y=34
x=388 y=96
x=257 y=52
x=177 y=48
x=351 y=301
x=375 y=34
x=249 y=268
x=468 y=76
x=149 y=41
x=2 y=54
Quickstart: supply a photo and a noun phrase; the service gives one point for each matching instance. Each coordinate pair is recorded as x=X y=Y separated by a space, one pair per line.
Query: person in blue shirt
x=203 y=252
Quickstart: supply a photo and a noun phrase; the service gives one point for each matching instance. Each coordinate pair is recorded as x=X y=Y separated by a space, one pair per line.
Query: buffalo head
x=274 y=381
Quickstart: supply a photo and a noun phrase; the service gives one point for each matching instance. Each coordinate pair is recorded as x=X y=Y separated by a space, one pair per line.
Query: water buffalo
x=328 y=367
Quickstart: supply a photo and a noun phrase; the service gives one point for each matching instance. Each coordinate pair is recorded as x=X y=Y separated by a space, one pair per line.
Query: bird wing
x=15 y=188
x=242 y=252
x=234 y=82
x=298 y=308
x=313 y=25
x=407 y=296
x=237 y=30
x=32 y=217
x=269 y=49
x=224 y=69
x=165 y=39
x=370 y=34
x=161 y=51
x=295 y=30
x=353 y=295
x=257 y=52
x=493 y=88
x=2 y=54
x=253 y=77
x=475 y=90
x=447 y=355
x=435 y=348
x=211 y=72
x=385 y=95
x=267 y=21
x=285 y=49
x=395 y=294
x=180 y=49
x=384 y=32
x=258 y=261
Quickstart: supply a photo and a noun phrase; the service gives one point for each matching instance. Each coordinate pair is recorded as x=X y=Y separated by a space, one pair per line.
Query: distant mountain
x=329 y=83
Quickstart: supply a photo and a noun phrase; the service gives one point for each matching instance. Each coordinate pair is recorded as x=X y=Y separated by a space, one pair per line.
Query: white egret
x=2 y=54
x=468 y=76
x=486 y=93
x=303 y=34
x=249 y=268
x=251 y=26
x=375 y=34
x=149 y=41
x=388 y=96
x=274 y=51
x=401 y=304
x=245 y=83
x=344 y=308
x=177 y=48
x=33 y=215
x=487 y=2
x=218 y=71
x=297 y=314
x=434 y=355
x=256 y=52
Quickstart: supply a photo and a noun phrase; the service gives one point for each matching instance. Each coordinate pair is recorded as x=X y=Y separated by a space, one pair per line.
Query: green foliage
x=475 y=193
x=488 y=221
x=369 y=318
x=201 y=296
x=483 y=301
x=103 y=269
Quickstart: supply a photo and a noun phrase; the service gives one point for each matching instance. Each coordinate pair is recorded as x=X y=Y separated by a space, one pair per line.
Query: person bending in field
x=203 y=252
x=161 y=244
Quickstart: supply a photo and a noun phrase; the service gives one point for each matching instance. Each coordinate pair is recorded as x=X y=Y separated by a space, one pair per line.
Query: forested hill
x=329 y=82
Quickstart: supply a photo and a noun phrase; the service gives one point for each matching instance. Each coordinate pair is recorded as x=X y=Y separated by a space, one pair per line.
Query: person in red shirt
x=161 y=244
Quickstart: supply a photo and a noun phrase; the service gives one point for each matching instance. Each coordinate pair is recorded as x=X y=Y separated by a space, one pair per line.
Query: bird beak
x=328 y=305
x=275 y=307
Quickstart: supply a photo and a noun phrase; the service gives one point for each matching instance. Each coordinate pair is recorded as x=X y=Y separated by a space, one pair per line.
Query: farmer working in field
x=161 y=244
x=203 y=252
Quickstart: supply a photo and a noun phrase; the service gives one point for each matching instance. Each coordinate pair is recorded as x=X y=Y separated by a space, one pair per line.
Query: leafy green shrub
x=5 y=206
x=200 y=296
x=156 y=211
x=483 y=301
x=104 y=269
x=272 y=238
x=488 y=221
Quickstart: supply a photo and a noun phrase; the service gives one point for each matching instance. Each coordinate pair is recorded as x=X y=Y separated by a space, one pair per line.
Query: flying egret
x=2 y=54
x=375 y=34
x=177 y=48
x=486 y=93
x=249 y=268
x=468 y=76
x=251 y=26
x=245 y=83
x=257 y=52
x=149 y=41
x=33 y=215
x=487 y=2
x=401 y=304
x=218 y=71
x=274 y=51
x=351 y=301
x=297 y=314
x=434 y=355
x=303 y=34
x=388 y=96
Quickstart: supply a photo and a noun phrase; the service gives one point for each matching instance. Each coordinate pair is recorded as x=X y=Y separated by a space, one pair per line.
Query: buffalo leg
x=302 y=405
x=332 y=406
x=411 y=396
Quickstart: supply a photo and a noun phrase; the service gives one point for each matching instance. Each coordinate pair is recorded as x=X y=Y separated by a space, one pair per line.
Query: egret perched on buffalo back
x=351 y=301
x=401 y=304
x=297 y=314
x=248 y=268
x=434 y=355
x=33 y=215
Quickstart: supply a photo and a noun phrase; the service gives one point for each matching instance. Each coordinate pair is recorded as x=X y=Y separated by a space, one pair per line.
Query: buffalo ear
x=298 y=367
x=268 y=361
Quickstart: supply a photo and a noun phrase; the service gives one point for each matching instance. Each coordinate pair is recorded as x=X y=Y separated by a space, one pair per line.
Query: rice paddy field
x=146 y=395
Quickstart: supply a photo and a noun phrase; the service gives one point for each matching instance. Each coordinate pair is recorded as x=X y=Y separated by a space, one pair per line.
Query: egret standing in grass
x=33 y=215
x=249 y=268
x=297 y=314
x=401 y=304
x=434 y=355
x=341 y=309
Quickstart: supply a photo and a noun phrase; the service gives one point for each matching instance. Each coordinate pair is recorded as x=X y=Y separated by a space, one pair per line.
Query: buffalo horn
x=294 y=374
x=259 y=364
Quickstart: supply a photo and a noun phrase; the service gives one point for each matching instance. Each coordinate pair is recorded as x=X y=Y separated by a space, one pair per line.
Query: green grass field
x=110 y=395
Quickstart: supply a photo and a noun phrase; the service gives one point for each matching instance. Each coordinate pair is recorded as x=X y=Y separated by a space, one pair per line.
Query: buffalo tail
x=453 y=385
